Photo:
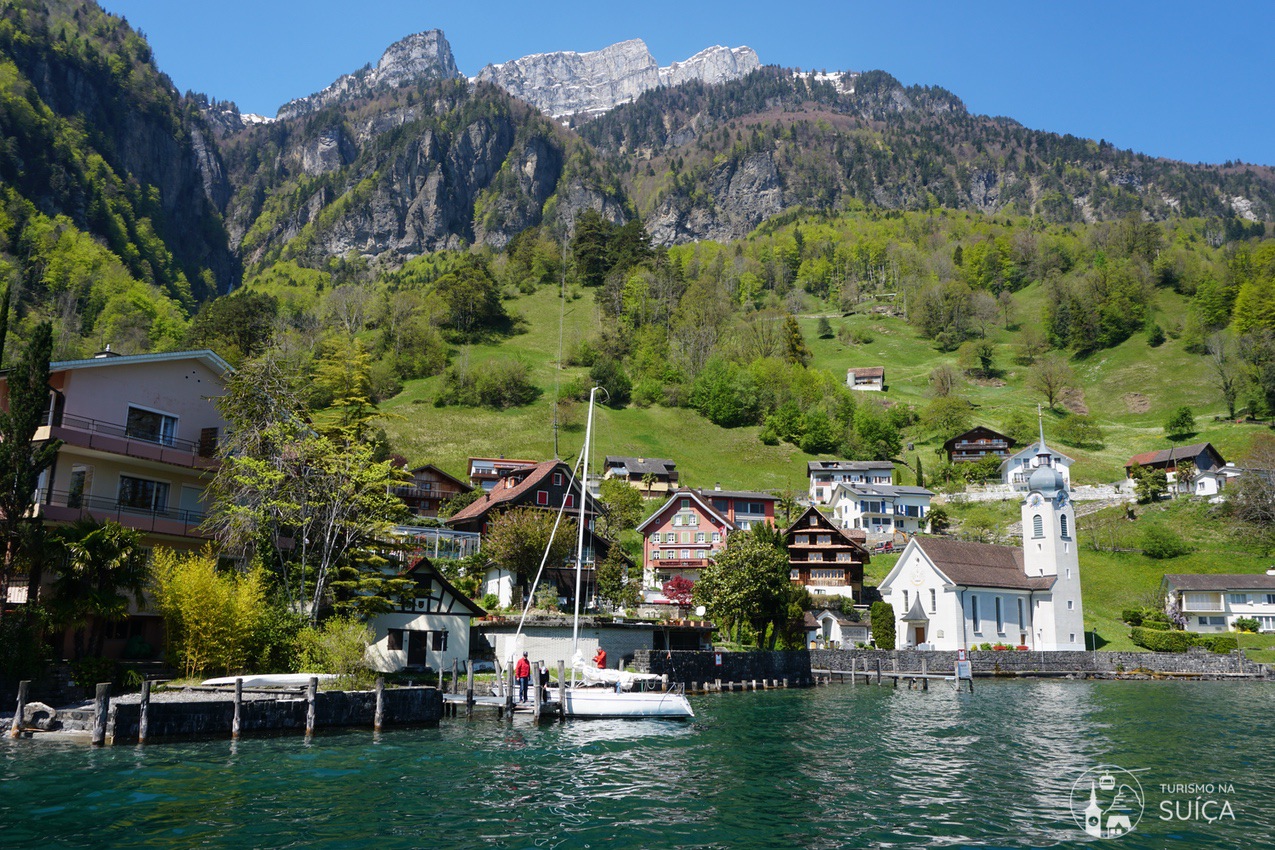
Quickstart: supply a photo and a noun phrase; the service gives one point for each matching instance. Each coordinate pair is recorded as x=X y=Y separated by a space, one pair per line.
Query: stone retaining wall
x=796 y=666
x=214 y=718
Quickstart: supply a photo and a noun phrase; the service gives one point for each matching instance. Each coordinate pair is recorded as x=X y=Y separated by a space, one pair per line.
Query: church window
x=1020 y=614
x=974 y=618
x=1063 y=522
x=905 y=600
x=934 y=600
x=1071 y=605
x=1038 y=526
x=1000 y=618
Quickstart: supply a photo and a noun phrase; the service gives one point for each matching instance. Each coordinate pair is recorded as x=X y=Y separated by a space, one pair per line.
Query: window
x=1000 y=618
x=143 y=494
x=686 y=554
x=655 y=554
x=794 y=575
x=1239 y=598
x=701 y=537
x=816 y=556
x=814 y=520
x=825 y=539
x=1062 y=522
x=394 y=640
x=542 y=497
x=934 y=601
x=745 y=525
x=1212 y=621
x=686 y=504
x=81 y=484
x=1270 y=599
x=974 y=618
x=905 y=600
x=557 y=479
x=670 y=554
x=440 y=641
x=717 y=537
x=1021 y=623
x=1071 y=605
x=151 y=426
x=1266 y=624
x=570 y=500
x=1038 y=526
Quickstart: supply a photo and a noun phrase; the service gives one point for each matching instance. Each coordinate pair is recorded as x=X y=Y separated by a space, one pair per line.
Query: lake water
x=832 y=767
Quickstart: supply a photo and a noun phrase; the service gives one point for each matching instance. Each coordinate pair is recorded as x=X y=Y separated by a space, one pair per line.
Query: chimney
x=717 y=485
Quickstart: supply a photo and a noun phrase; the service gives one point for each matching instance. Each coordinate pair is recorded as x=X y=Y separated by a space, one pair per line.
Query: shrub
x=1247 y=624
x=88 y=672
x=1161 y=542
x=489 y=602
x=338 y=646
x=881 y=616
x=1157 y=640
x=1132 y=616
x=1153 y=619
x=1221 y=644
x=1155 y=337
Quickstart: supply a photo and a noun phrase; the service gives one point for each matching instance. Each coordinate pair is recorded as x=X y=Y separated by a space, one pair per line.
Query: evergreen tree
x=795 y=348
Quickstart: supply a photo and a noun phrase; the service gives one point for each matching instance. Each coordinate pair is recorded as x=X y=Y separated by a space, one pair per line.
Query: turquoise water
x=826 y=768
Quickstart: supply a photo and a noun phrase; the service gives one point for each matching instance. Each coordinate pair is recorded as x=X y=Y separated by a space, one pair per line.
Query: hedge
x=1158 y=640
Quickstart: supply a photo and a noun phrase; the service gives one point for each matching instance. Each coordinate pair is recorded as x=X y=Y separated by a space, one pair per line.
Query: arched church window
x=1064 y=525
x=1038 y=526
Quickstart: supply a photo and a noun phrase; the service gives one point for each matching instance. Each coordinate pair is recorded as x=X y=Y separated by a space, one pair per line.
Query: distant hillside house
x=428 y=489
x=977 y=443
x=952 y=595
x=651 y=475
x=1212 y=603
x=1018 y=467
x=543 y=486
x=484 y=472
x=836 y=629
x=867 y=378
x=881 y=510
x=686 y=532
x=825 y=559
x=1209 y=465
x=429 y=628
x=825 y=475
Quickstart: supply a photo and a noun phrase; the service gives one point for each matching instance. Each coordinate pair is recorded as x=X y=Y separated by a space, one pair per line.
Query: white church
x=950 y=595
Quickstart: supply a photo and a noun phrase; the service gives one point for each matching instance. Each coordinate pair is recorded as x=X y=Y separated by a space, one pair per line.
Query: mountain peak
x=420 y=56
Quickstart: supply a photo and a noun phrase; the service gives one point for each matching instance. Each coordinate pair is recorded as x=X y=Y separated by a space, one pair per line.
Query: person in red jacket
x=600 y=659
x=522 y=672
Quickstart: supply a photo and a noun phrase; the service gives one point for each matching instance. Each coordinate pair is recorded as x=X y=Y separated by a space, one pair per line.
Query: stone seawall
x=797 y=666
x=214 y=718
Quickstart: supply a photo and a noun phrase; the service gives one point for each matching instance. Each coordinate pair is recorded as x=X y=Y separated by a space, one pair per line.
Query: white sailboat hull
x=605 y=702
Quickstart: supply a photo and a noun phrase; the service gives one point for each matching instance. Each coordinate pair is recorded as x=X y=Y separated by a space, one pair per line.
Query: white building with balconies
x=826 y=475
x=1212 y=603
x=882 y=510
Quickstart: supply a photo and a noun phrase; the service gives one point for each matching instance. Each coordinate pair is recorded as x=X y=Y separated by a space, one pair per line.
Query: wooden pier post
x=509 y=693
x=311 y=694
x=535 y=696
x=469 y=688
x=144 y=712
x=878 y=671
x=101 y=705
x=562 y=690
x=455 y=675
x=236 y=722
x=785 y=682
x=378 y=717
x=15 y=728
x=925 y=673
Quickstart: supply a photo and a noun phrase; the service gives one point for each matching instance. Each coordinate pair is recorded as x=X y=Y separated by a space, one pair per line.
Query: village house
x=977 y=443
x=688 y=530
x=828 y=629
x=543 y=486
x=1213 y=602
x=428 y=489
x=484 y=472
x=653 y=476
x=825 y=559
x=428 y=629
x=951 y=595
x=867 y=378
x=825 y=475
x=882 y=510
x=1209 y=475
x=139 y=440
x=1018 y=467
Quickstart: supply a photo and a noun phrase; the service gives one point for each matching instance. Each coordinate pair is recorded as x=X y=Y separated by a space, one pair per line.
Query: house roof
x=1165 y=457
x=883 y=491
x=981 y=564
x=868 y=372
x=424 y=565
x=812 y=618
x=814 y=466
x=642 y=465
x=502 y=495
x=1034 y=449
x=1221 y=582
x=916 y=614
x=206 y=356
x=464 y=485
x=684 y=493
x=731 y=494
x=977 y=432
x=826 y=526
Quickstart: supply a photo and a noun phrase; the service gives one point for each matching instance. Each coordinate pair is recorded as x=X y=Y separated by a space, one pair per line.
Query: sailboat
x=610 y=693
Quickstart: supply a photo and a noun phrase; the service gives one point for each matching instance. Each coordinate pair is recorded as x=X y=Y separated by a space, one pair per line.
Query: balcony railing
x=70 y=506
x=681 y=563
x=440 y=542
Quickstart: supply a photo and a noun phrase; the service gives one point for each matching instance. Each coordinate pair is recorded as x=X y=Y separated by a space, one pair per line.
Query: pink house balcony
x=69 y=507
x=117 y=439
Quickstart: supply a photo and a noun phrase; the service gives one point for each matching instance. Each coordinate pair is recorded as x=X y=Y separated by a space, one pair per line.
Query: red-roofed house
x=1208 y=463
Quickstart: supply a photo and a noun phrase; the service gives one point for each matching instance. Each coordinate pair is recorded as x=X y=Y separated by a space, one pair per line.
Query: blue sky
x=1190 y=81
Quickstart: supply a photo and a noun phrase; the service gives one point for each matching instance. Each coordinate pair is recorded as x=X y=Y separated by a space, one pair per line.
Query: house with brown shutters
x=977 y=443
x=543 y=486
x=653 y=476
x=428 y=488
x=1208 y=462
x=484 y=472
x=825 y=559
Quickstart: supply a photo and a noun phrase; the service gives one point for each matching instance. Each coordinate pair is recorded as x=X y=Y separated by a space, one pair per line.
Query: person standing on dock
x=522 y=672
x=600 y=658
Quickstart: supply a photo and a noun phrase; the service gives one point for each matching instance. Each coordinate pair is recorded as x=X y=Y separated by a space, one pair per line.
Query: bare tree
x=1221 y=358
x=1051 y=377
x=944 y=380
x=983 y=311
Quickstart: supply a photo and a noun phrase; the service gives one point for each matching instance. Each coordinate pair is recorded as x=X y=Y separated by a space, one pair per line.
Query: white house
x=825 y=475
x=867 y=378
x=881 y=509
x=1212 y=603
x=952 y=595
x=834 y=629
x=1017 y=468
x=430 y=628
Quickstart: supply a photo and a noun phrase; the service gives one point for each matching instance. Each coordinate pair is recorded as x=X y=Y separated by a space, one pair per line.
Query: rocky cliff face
x=569 y=83
x=425 y=56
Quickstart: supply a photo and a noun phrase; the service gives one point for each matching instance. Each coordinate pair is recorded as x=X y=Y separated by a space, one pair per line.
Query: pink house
x=685 y=534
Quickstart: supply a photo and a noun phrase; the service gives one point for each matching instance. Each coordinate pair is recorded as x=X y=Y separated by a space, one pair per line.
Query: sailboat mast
x=584 y=493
